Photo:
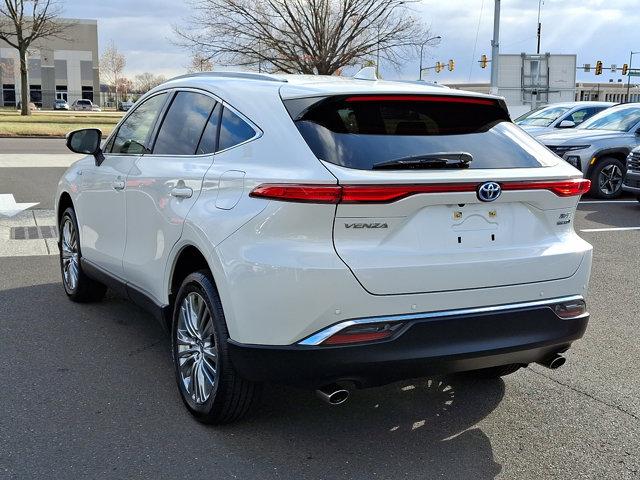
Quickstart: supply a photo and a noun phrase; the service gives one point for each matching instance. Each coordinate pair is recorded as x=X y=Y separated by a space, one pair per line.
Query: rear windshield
x=363 y=131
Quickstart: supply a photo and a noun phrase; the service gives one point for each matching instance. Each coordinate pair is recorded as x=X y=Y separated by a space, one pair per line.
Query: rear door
x=413 y=219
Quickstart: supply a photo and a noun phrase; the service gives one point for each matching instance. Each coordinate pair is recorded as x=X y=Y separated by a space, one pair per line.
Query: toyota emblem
x=489 y=191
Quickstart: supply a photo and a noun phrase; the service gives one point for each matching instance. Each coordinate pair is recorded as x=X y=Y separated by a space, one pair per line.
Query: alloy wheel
x=197 y=350
x=70 y=254
x=610 y=179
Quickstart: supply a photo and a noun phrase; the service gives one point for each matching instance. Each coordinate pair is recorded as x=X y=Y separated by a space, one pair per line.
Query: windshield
x=618 y=120
x=542 y=117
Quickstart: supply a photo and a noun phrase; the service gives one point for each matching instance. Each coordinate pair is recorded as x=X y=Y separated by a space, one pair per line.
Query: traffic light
x=625 y=69
x=439 y=67
x=451 y=65
x=483 y=61
x=599 y=67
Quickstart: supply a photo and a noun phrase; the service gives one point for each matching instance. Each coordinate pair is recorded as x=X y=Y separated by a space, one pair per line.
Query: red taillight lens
x=363 y=333
x=309 y=193
x=391 y=193
x=299 y=193
x=562 y=188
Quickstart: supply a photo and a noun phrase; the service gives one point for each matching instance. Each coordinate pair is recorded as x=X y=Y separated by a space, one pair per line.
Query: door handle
x=181 y=192
x=118 y=184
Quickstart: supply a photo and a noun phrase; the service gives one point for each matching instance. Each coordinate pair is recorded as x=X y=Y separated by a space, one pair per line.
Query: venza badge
x=489 y=191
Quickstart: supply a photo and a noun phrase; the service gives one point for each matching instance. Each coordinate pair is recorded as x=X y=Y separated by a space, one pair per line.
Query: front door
x=102 y=214
x=164 y=185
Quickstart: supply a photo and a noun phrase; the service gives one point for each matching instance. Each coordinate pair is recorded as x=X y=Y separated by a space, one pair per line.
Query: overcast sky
x=593 y=29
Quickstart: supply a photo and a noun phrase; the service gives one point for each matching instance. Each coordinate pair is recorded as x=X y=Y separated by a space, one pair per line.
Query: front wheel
x=209 y=385
x=606 y=179
x=77 y=285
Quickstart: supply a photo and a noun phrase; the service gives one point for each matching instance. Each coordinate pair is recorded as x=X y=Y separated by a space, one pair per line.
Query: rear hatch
x=416 y=213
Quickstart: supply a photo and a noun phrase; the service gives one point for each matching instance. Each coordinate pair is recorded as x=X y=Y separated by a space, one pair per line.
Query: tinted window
x=184 y=123
x=210 y=135
x=362 y=133
x=542 y=117
x=133 y=134
x=233 y=130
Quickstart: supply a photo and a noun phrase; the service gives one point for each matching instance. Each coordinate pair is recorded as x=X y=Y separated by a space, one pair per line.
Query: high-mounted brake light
x=421 y=98
x=335 y=194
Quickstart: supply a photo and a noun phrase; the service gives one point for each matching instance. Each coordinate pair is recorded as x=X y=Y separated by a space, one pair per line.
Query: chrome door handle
x=118 y=184
x=181 y=192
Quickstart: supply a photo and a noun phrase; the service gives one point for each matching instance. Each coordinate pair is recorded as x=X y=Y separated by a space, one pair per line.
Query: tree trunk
x=24 y=84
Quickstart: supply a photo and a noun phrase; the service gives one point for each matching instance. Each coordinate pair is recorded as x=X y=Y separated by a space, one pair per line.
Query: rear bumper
x=432 y=345
x=631 y=182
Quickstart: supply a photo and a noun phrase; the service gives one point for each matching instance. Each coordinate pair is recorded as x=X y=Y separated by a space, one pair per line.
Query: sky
x=593 y=29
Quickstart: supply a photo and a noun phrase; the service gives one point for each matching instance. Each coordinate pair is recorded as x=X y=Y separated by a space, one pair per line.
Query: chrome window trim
x=322 y=335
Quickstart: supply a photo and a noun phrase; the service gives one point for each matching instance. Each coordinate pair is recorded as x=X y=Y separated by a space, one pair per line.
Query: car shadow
x=105 y=371
x=610 y=214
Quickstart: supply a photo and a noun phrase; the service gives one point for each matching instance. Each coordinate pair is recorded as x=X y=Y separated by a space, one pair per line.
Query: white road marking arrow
x=9 y=207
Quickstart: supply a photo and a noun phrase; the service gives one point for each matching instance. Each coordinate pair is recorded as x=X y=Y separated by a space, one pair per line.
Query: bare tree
x=302 y=36
x=146 y=81
x=22 y=23
x=112 y=64
x=200 y=63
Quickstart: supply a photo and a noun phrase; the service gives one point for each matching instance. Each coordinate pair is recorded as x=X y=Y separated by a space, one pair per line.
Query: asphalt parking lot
x=88 y=390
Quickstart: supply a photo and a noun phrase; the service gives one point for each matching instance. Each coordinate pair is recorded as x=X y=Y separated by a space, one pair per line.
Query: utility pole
x=539 y=26
x=495 y=48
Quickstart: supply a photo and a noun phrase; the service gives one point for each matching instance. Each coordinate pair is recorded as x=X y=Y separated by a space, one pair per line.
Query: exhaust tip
x=554 y=362
x=333 y=394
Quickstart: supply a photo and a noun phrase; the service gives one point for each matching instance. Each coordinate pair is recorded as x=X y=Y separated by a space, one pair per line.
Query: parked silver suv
x=600 y=146
x=631 y=182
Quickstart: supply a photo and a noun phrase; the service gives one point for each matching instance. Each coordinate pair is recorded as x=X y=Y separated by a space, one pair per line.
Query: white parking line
x=612 y=229
x=22 y=160
x=607 y=201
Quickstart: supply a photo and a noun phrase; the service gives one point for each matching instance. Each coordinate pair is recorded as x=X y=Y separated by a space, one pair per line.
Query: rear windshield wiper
x=431 y=160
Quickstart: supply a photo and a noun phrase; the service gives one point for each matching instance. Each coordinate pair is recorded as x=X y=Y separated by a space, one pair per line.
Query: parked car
x=559 y=115
x=631 y=181
x=327 y=233
x=600 y=146
x=32 y=106
x=84 y=105
x=125 y=106
x=61 y=105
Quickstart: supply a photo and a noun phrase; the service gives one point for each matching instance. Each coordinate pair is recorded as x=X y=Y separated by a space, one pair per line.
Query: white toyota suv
x=327 y=232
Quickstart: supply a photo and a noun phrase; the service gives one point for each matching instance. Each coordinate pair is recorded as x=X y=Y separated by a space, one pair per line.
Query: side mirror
x=87 y=142
x=566 y=124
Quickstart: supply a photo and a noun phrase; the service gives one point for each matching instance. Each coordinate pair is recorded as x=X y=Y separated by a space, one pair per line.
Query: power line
x=475 y=45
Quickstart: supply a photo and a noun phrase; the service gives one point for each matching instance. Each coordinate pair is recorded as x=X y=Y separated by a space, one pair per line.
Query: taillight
x=369 y=332
x=299 y=193
x=334 y=194
x=562 y=188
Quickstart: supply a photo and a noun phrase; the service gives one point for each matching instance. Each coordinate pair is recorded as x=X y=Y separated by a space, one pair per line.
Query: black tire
x=495 y=372
x=606 y=178
x=81 y=289
x=231 y=397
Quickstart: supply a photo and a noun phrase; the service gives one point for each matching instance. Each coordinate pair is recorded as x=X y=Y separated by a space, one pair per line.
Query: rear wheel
x=209 y=385
x=77 y=285
x=607 y=178
x=495 y=372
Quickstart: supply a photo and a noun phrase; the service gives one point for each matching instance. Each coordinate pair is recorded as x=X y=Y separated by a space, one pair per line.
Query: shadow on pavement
x=611 y=214
x=107 y=406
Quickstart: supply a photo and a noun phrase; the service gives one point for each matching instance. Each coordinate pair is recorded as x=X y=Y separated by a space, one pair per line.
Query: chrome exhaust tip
x=333 y=394
x=553 y=362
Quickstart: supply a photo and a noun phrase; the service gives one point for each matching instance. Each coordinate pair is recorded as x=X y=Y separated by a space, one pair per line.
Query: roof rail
x=244 y=75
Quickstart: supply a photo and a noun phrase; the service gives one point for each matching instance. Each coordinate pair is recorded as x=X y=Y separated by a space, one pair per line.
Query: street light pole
x=629 y=73
x=438 y=37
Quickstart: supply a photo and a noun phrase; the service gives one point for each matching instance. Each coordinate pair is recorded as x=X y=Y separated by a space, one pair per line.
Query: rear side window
x=363 y=131
x=210 y=135
x=233 y=130
x=184 y=123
